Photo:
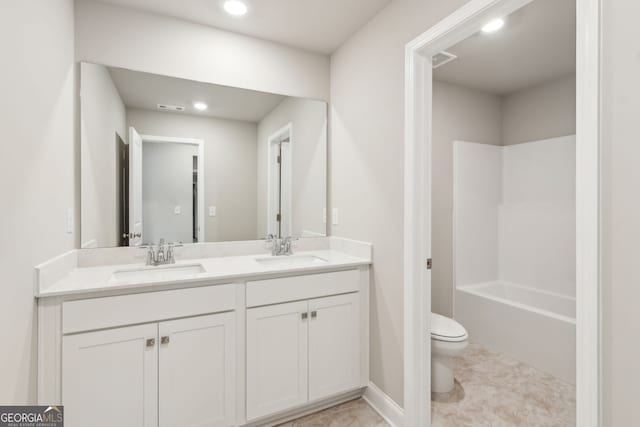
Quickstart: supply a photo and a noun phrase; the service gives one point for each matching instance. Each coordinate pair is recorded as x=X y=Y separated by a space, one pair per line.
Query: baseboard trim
x=388 y=409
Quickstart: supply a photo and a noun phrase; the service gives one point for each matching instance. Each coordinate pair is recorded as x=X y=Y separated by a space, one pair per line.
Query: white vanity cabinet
x=168 y=374
x=172 y=373
x=251 y=351
x=110 y=378
x=277 y=358
x=303 y=351
x=196 y=371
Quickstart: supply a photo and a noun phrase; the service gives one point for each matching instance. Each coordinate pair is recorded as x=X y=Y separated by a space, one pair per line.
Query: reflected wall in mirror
x=193 y=162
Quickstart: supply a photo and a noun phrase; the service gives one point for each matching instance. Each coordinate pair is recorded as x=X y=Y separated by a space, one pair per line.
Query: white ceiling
x=316 y=25
x=146 y=91
x=536 y=44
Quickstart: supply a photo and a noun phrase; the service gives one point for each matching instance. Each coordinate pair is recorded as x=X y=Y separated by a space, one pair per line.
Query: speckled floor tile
x=496 y=391
x=356 y=413
x=491 y=390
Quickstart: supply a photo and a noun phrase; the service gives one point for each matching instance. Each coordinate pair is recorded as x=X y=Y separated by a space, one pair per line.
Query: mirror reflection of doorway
x=162 y=190
x=279 y=191
x=123 y=190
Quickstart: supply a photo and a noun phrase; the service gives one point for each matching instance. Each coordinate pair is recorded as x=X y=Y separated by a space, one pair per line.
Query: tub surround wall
x=537 y=216
x=515 y=214
x=514 y=244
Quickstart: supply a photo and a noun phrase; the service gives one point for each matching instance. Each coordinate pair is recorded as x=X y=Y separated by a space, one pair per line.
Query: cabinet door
x=334 y=345
x=110 y=378
x=276 y=358
x=197 y=362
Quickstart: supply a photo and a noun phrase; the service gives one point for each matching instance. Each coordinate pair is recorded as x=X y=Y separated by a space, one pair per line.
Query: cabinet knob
x=151 y=342
x=165 y=340
x=304 y=315
x=314 y=314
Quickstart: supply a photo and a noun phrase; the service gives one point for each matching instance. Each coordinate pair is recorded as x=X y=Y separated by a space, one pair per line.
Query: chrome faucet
x=280 y=247
x=161 y=254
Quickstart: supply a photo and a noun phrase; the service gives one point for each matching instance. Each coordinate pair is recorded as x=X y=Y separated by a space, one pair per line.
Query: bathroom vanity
x=242 y=339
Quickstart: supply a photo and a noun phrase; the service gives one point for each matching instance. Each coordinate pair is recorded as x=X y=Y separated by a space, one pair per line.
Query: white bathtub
x=534 y=326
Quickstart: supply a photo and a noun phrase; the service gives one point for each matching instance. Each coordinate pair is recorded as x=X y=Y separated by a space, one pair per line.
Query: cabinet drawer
x=273 y=291
x=109 y=312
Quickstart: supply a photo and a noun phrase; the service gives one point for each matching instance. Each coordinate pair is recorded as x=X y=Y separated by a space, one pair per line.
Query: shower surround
x=514 y=249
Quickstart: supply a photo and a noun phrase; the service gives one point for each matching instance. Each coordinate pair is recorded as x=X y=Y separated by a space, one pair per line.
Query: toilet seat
x=446 y=329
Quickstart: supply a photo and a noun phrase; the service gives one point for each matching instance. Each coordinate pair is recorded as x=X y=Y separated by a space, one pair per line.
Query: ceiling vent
x=167 y=107
x=439 y=59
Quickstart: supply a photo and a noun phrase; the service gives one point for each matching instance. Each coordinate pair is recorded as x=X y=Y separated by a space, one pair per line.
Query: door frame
x=271 y=140
x=201 y=184
x=417 y=202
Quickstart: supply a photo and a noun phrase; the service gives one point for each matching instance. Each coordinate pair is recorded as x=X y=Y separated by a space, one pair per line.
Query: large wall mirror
x=185 y=161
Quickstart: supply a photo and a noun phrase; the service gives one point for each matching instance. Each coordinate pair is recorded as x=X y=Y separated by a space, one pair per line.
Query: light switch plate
x=212 y=211
x=334 y=216
x=177 y=210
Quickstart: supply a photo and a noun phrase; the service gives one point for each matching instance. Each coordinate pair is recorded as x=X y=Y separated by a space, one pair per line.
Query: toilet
x=448 y=339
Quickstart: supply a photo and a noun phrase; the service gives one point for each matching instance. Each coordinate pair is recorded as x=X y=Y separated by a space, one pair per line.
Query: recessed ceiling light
x=200 y=106
x=493 y=26
x=235 y=7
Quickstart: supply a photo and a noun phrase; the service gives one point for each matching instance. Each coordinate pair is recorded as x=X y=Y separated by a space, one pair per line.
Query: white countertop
x=86 y=280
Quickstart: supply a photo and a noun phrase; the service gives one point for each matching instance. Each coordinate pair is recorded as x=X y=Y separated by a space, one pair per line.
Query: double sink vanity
x=229 y=335
x=219 y=328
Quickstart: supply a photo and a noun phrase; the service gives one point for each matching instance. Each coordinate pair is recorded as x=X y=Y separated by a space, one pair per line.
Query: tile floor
x=356 y=413
x=492 y=390
x=495 y=390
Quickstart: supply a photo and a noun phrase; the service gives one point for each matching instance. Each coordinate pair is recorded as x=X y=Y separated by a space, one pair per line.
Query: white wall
x=547 y=110
x=621 y=211
x=537 y=216
x=167 y=183
x=37 y=161
x=230 y=159
x=309 y=163
x=366 y=163
x=515 y=216
x=458 y=114
x=122 y=37
x=102 y=116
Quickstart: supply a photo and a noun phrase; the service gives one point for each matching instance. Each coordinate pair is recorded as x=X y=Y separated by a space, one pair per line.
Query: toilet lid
x=446 y=329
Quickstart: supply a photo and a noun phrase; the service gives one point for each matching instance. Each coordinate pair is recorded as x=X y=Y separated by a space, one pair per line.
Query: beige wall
x=36 y=171
x=366 y=163
x=621 y=212
x=309 y=163
x=102 y=116
x=230 y=167
x=127 y=38
x=547 y=110
x=458 y=114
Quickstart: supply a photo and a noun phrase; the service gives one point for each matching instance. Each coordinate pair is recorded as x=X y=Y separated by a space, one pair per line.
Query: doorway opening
x=279 y=182
x=465 y=22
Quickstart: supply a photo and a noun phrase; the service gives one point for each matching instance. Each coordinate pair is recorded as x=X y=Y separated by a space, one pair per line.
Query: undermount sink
x=160 y=273
x=291 y=261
